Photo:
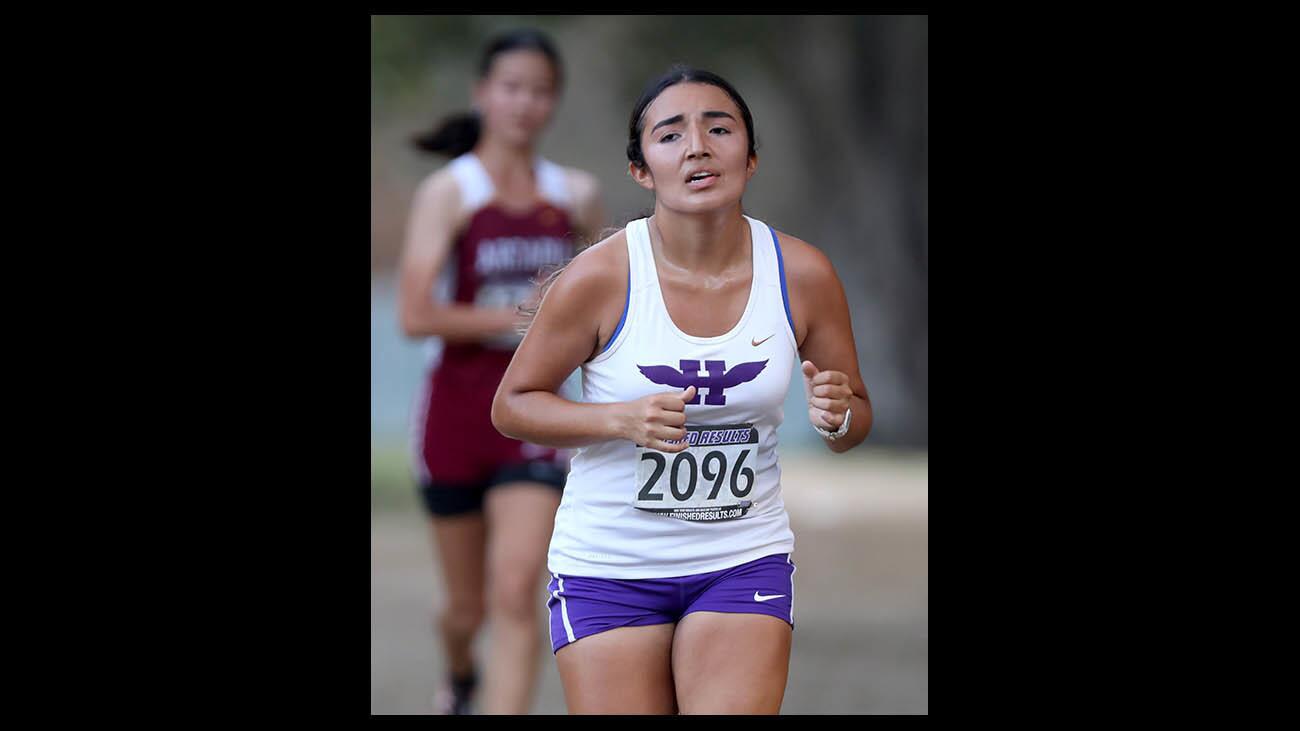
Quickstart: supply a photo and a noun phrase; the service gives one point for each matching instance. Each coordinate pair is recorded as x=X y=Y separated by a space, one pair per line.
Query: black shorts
x=442 y=498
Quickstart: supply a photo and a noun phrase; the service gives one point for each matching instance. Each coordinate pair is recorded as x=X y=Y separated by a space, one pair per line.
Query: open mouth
x=701 y=179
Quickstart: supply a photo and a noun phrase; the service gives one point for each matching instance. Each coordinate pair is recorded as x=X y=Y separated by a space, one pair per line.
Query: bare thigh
x=460 y=541
x=624 y=670
x=520 y=518
x=731 y=663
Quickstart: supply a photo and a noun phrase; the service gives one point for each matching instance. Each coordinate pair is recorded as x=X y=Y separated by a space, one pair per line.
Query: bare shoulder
x=437 y=206
x=814 y=286
x=806 y=267
x=439 y=189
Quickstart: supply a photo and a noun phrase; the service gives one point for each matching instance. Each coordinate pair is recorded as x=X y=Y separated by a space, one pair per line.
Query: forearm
x=544 y=418
x=456 y=322
x=859 y=426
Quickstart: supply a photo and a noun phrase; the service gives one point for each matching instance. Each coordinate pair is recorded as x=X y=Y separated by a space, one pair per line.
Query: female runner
x=672 y=581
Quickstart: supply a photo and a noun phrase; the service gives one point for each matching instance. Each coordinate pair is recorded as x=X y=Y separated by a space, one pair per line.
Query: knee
x=462 y=615
x=515 y=596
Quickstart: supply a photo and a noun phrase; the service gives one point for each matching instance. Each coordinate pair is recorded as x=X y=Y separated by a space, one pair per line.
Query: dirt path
x=861 y=641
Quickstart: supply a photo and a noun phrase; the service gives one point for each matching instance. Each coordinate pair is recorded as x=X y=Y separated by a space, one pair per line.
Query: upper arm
x=824 y=329
x=430 y=232
x=588 y=211
x=572 y=319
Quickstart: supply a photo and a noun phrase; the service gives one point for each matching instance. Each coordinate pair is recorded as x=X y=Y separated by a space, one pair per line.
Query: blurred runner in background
x=481 y=229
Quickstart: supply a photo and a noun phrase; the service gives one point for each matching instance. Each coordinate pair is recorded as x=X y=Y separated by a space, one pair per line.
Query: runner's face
x=517 y=96
x=696 y=149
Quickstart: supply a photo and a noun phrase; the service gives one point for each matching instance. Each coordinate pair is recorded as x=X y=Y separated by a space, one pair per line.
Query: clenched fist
x=655 y=420
x=828 y=396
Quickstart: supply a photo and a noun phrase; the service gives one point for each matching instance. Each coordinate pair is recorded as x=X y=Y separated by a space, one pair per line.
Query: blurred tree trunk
x=862 y=145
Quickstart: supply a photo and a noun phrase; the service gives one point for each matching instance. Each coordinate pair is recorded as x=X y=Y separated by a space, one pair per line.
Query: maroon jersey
x=495 y=263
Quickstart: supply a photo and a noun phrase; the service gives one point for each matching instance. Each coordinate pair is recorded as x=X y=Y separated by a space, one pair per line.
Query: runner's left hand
x=828 y=396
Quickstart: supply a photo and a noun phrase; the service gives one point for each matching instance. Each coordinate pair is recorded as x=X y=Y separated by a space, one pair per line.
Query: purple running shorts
x=582 y=606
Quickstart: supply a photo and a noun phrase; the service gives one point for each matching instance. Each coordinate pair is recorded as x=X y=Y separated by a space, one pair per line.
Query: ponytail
x=456 y=136
x=459 y=133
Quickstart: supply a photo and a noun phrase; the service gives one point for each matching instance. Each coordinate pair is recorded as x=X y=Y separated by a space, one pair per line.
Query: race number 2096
x=709 y=481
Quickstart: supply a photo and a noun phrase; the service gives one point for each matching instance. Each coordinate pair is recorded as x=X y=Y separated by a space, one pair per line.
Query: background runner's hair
x=457 y=134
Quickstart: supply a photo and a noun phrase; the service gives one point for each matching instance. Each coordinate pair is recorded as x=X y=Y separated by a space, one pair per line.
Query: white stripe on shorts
x=564 y=609
x=419 y=416
x=793 y=569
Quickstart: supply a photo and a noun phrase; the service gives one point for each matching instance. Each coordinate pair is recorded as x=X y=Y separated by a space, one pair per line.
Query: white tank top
x=635 y=513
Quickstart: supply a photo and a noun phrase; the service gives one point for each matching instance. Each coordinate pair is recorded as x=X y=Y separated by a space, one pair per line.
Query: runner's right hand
x=652 y=421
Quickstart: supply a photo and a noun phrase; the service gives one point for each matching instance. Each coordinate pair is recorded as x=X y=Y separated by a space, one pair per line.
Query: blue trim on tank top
x=623 y=317
x=780 y=265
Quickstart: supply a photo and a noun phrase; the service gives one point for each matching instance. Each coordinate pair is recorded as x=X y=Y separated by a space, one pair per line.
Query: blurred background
x=840 y=107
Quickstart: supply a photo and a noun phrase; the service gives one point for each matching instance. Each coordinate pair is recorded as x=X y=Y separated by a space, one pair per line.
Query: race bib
x=503 y=295
x=708 y=482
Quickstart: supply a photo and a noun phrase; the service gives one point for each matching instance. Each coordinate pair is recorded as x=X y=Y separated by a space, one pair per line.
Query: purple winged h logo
x=718 y=378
